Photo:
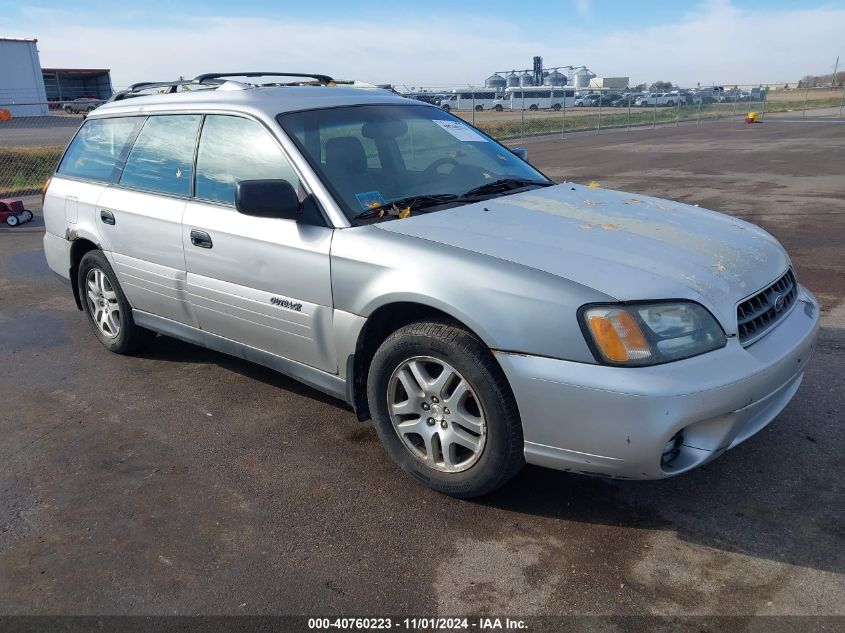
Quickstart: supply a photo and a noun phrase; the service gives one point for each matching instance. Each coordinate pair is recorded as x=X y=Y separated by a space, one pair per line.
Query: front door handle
x=107 y=216
x=201 y=239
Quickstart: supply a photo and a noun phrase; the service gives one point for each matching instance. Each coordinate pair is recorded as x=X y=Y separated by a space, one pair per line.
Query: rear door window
x=162 y=157
x=99 y=148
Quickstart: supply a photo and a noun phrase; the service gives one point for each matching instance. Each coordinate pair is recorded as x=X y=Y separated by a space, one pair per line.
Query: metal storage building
x=21 y=83
x=64 y=84
x=612 y=83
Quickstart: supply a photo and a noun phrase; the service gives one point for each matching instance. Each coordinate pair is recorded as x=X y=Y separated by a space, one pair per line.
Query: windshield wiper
x=502 y=185
x=414 y=203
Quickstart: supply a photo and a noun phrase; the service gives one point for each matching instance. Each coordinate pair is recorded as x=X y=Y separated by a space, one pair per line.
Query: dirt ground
x=184 y=481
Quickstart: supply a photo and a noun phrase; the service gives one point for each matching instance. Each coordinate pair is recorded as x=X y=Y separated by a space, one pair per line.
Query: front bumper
x=617 y=421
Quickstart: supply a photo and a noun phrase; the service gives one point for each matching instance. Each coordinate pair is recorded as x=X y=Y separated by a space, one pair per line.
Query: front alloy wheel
x=436 y=414
x=444 y=410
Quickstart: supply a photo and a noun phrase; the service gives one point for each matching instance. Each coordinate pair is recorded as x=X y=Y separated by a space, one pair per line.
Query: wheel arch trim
x=379 y=324
x=81 y=243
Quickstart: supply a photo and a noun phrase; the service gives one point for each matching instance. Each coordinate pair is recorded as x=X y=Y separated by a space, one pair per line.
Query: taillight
x=44 y=191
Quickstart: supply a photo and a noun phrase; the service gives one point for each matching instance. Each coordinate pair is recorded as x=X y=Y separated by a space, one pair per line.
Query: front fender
x=509 y=306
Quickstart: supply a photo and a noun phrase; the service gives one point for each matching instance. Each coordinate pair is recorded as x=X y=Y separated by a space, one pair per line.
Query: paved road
x=184 y=481
x=49 y=131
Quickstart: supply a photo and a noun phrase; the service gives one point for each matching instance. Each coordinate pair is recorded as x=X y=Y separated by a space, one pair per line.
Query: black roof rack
x=209 y=79
x=201 y=79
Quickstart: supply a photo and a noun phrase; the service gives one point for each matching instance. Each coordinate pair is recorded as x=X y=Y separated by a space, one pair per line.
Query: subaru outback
x=385 y=252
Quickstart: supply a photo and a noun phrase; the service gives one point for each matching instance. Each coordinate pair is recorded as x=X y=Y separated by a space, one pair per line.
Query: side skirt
x=327 y=383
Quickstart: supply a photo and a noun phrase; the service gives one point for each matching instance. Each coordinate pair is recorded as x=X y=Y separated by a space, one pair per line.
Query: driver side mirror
x=520 y=152
x=267 y=199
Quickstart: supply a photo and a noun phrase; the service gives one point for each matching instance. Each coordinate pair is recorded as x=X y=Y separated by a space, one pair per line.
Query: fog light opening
x=671 y=450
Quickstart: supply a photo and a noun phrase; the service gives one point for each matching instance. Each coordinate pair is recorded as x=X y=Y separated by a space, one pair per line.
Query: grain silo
x=555 y=78
x=495 y=81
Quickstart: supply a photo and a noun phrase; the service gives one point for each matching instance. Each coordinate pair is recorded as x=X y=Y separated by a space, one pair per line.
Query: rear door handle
x=201 y=239
x=107 y=216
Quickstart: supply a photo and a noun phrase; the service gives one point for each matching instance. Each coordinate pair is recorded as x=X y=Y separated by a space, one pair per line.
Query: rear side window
x=233 y=149
x=99 y=148
x=162 y=157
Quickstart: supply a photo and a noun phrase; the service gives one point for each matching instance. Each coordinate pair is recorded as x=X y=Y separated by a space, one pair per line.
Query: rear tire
x=107 y=308
x=479 y=108
x=27 y=215
x=533 y=107
x=466 y=451
x=498 y=107
x=446 y=108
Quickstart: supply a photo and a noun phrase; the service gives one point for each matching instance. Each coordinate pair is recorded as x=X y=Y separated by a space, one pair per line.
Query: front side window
x=233 y=149
x=162 y=158
x=371 y=155
x=99 y=148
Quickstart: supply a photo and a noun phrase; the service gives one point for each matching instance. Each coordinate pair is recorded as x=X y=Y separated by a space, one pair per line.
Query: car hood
x=630 y=247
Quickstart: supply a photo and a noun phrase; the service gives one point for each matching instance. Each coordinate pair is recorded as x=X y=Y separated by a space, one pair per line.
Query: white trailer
x=21 y=82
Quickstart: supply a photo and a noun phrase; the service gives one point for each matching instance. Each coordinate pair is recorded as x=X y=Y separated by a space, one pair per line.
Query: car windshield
x=372 y=155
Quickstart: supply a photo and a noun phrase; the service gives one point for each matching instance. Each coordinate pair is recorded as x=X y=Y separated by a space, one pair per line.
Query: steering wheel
x=432 y=170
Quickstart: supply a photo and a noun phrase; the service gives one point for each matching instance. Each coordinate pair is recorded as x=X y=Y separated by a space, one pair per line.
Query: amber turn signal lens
x=44 y=190
x=618 y=336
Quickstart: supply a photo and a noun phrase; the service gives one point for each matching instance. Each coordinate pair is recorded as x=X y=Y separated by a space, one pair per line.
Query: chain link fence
x=557 y=111
x=33 y=135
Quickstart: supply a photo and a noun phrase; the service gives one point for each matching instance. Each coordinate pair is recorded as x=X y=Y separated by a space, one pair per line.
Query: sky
x=438 y=42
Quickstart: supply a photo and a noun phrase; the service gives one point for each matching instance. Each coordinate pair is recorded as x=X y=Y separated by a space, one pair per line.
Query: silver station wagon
x=387 y=253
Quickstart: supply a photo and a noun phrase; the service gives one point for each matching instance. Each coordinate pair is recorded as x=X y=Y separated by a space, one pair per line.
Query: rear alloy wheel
x=102 y=303
x=27 y=215
x=444 y=410
x=108 y=310
x=479 y=108
x=533 y=107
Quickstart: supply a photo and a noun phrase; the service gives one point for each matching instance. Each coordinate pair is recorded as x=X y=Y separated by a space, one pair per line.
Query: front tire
x=479 y=108
x=12 y=220
x=107 y=308
x=444 y=410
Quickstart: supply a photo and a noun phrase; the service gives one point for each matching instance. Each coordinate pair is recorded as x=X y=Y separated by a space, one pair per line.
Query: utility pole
x=835 y=68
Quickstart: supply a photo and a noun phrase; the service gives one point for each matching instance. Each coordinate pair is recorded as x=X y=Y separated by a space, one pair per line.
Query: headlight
x=650 y=333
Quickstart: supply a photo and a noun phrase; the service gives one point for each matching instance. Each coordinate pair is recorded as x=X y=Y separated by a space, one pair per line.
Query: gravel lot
x=184 y=481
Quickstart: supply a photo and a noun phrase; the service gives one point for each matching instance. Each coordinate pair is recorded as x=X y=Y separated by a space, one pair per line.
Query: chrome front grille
x=758 y=314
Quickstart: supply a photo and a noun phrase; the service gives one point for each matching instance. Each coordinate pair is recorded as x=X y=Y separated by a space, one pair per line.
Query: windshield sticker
x=460 y=131
x=369 y=199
